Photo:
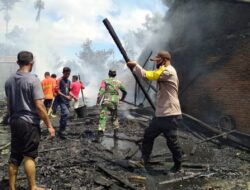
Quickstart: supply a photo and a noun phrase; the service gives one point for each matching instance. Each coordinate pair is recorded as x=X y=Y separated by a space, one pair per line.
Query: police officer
x=168 y=110
x=108 y=99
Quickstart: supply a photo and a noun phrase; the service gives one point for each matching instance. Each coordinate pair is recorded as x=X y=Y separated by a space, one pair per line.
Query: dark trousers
x=25 y=139
x=168 y=126
x=47 y=103
x=55 y=105
x=64 y=116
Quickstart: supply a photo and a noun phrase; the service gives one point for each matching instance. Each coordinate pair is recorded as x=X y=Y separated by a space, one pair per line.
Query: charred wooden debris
x=80 y=163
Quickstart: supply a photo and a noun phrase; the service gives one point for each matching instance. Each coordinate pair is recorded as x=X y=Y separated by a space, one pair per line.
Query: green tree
x=97 y=60
x=39 y=5
x=7 y=5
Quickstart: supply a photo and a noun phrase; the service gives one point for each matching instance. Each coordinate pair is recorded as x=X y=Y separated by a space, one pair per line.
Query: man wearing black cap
x=168 y=110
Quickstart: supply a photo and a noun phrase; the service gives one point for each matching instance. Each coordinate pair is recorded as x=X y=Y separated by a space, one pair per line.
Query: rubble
x=79 y=163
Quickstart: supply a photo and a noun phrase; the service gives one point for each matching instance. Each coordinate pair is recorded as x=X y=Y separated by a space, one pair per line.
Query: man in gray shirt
x=25 y=105
x=168 y=110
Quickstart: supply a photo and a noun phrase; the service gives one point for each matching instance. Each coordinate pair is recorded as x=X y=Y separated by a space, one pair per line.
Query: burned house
x=211 y=50
x=210 y=43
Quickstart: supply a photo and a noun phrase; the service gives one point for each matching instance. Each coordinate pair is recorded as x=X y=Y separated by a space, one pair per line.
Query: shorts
x=47 y=103
x=25 y=139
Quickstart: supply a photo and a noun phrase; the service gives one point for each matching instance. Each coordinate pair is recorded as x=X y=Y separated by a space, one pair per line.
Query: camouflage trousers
x=104 y=113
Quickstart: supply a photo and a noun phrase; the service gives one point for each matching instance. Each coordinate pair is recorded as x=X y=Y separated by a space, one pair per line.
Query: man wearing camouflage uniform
x=108 y=98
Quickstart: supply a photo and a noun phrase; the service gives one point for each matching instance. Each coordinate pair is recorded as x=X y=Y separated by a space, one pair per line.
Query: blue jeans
x=64 y=115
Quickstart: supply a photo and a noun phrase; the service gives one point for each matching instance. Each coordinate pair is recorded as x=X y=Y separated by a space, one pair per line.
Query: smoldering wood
x=196 y=165
x=135 y=164
x=53 y=149
x=1 y=130
x=98 y=188
x=208 y=175
x=193 y=175
x=5 y=146
x=123 y=163
x=82 y=158
x=123 y=182
x=76 y=123
x=124 y=138
x=230 y=137
x=137 y=179
x=101 y=180
x=224 y=135
x=164 y=159
x=132 y=153
x=159 y=160
x=209 y=139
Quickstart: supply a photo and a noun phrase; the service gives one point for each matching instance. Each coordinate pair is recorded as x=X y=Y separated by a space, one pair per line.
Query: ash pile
x=79 y=163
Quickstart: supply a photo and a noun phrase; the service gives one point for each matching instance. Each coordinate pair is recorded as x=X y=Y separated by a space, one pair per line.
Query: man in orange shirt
x=53 y=76
x=54 y=103
x=48 y=86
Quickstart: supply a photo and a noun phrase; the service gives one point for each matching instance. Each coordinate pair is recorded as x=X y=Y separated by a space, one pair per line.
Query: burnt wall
x=211 y=50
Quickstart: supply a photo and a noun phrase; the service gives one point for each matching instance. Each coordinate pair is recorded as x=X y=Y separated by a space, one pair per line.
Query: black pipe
x=145 y=63
x=135 y=93
x=126 y=58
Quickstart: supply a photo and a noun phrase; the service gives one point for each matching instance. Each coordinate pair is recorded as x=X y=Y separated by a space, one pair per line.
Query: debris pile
x=78 y=163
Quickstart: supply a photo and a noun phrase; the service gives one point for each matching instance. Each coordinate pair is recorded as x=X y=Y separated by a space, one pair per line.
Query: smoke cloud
x=55 y=39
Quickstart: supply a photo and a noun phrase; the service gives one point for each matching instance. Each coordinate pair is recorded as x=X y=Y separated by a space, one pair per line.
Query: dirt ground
x=78 y=163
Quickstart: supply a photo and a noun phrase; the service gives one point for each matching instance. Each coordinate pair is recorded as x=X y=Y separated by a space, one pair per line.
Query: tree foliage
x=7 y=4
x=96 y=59
x=39 y=5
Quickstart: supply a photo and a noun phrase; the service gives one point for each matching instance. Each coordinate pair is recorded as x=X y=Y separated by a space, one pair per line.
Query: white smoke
x=56 y=42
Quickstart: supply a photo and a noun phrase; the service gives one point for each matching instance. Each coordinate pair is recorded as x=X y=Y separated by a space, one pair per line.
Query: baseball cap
x=162 y=54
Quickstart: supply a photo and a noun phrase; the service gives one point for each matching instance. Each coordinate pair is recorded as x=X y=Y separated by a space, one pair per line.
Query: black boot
x=100 y=133
x=62 y=132
x=176 y=168
x=115 y=133
x=98 y=137
x=145 y=160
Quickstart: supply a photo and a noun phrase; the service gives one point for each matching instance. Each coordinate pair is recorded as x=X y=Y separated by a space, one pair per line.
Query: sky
x=65 y=24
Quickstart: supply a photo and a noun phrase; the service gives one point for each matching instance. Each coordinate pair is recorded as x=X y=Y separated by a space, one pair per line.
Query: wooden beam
x=123 y=182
